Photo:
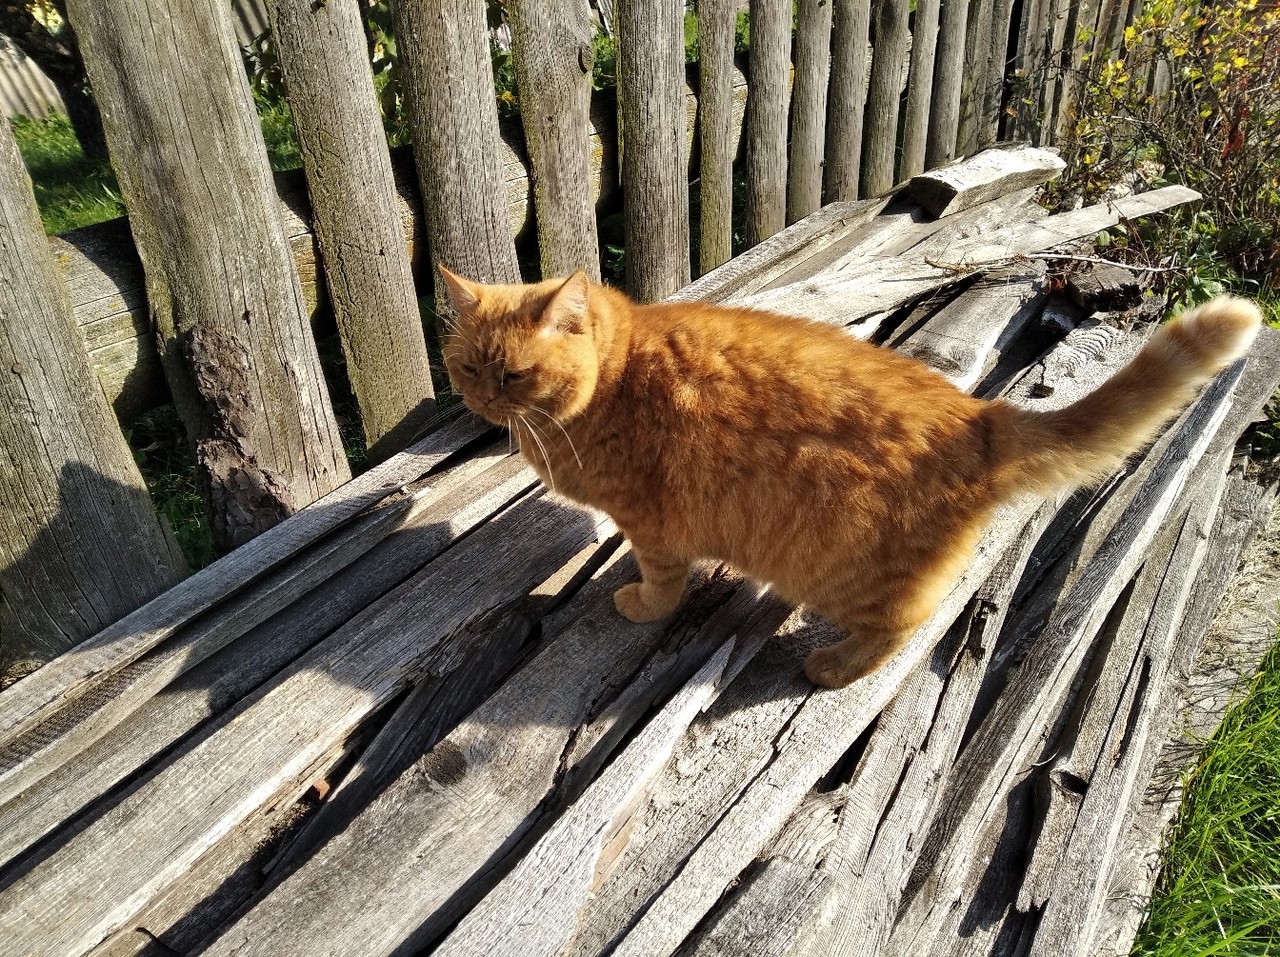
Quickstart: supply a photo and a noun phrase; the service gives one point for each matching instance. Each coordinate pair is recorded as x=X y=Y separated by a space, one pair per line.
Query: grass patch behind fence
x=1219 y=892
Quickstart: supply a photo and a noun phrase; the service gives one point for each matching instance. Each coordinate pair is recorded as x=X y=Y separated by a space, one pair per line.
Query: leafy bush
x=1193 y=98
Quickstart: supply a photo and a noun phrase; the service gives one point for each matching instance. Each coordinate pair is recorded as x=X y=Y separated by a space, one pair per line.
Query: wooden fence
x=211 y=293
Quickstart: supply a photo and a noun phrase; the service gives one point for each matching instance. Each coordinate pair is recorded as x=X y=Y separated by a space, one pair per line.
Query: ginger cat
x=847 y=477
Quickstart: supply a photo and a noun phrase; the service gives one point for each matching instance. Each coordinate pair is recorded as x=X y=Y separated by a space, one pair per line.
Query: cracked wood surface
x=485 y=743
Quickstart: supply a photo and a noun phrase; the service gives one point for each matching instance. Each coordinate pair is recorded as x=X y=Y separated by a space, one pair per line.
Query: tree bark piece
x=767 y=119
x=716 y=22
x=808 y=108
x=655 y=200
x=453 y=113
x=80 y=544
x=325 y=60
x=890 y=18
x=551 y=47
x=924 y=43
x=221 y=285
x=846 y=99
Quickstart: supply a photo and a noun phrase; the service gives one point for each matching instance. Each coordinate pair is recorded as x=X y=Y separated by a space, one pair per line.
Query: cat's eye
x=468 y=370
x=515 y=375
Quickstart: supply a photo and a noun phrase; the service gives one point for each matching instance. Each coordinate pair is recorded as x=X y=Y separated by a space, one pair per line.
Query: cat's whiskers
x=559 y=425
x=546 y=458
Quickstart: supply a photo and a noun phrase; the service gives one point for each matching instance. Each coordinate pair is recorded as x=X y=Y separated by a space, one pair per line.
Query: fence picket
x=453 y=112
x=846 y=99
x=767 y=119
x=948 y=73
x=808 y=108
x=879 y=145
x=324 y=57
x=924 y=41
x=222 y=288
x=655 y=198
x=551 y=43
x=80 y=545
x=716 y=141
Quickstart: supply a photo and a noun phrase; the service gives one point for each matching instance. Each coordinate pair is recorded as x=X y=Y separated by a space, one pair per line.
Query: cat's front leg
x=663 y=578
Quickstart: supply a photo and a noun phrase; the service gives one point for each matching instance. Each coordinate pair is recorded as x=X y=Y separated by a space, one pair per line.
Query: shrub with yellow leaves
x=1194 y=92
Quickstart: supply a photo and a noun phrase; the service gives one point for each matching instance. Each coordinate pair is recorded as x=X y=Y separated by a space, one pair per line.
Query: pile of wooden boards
x=409 y=720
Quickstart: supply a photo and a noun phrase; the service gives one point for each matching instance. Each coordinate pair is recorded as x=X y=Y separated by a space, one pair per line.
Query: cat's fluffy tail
x=1082 y=443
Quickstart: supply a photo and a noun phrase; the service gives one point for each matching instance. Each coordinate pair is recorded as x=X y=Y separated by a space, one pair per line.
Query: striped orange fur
x=845 y=476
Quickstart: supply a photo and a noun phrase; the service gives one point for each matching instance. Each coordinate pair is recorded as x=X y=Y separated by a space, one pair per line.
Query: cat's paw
x=835 y=667
x=638 y=603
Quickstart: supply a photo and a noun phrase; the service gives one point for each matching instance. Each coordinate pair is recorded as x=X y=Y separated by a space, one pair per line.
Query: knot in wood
x=586 y=58
x=17 y=368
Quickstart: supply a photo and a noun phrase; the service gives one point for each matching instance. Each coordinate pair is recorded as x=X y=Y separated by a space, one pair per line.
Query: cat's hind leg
x=881 y=617
x=660 y=589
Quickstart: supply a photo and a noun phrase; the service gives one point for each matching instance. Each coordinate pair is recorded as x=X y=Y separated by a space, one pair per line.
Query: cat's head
x=515 y=349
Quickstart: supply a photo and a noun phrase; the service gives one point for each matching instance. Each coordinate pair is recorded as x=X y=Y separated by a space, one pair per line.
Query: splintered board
x=410 y=720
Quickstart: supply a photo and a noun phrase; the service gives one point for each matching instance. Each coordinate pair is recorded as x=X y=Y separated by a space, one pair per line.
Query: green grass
x=71 y=189
x=168 y=465
x=1219 y=892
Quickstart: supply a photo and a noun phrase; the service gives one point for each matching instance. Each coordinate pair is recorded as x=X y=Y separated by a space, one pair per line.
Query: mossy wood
x=222 y=290
x=497 y=762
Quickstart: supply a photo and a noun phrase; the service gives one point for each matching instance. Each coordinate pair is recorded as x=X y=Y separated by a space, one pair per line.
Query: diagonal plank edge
x=36 y=696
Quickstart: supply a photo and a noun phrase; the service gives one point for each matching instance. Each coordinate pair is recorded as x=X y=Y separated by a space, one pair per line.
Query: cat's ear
x=463 y=293
x=567 y=310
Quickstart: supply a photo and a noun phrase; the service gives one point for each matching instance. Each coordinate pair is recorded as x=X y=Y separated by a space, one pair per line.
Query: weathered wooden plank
x=839 y=875
x=466 y=805
x=49 y=690
x=846 y=99
x=532 y=910
x=85 y=890
x=715 y=190
x=808 y=108
x=879 y=142
x=433 y=708
x=981 y=178
x=655 y=203
x=767 y=119
x=1074 y=853
x=868 y=287
x=965 y=337
x=1206 y=673
x=1010 y=737
x=781 y=252
x=454 y=504
x=915 y=124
